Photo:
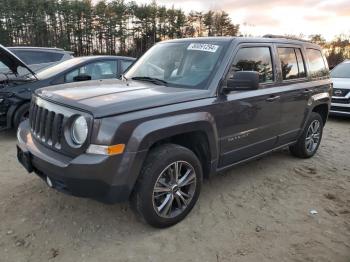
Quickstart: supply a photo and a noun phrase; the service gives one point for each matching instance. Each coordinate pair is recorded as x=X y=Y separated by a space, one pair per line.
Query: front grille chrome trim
x=46 y=122
x=49 y=123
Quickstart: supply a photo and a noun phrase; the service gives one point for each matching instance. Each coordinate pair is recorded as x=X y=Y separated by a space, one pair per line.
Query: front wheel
x=21 y=114
x=310 y=139
x=169 y=185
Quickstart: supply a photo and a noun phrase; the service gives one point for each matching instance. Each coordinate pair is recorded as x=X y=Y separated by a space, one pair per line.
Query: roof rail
x=38 y=47
x=285 y=37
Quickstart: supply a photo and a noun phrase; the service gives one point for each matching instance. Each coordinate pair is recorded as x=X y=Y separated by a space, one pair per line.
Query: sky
x=259 y=17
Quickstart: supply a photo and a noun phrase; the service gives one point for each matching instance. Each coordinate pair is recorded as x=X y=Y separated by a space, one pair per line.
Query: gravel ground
x=256 y=212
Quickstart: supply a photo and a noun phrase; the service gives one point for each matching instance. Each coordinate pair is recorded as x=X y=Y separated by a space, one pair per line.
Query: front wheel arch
x=19 y=113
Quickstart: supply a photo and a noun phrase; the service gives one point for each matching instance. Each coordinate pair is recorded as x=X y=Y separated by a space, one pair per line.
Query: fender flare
x=317 y=100
x=148 y=133
x=152 y=131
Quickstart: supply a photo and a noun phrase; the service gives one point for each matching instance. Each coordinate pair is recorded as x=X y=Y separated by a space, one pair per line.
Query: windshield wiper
x=153 y=80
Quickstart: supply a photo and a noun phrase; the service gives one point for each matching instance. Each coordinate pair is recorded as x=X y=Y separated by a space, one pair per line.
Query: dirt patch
x=256 y=212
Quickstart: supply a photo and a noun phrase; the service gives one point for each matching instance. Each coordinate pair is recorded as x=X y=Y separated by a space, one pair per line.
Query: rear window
x=318 y=67
x=292 y=63
x=37 y=57
x=341 y=71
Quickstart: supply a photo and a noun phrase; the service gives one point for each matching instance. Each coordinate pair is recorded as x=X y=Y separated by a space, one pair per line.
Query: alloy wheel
x=313 y=136
x=174 y=189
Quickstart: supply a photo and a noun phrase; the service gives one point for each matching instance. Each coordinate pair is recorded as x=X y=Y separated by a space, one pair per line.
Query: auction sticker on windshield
x=203 y=47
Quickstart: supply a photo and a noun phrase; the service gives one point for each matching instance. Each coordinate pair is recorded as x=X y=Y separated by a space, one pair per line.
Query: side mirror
x=243 y=80
x=81 y=78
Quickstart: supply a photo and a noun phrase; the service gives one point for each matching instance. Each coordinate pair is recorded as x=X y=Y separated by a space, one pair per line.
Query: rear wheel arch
x=322 y=110
x=312 y=132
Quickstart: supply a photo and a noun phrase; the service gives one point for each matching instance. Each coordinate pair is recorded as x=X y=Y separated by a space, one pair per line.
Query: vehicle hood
x=341 y=83
x=12 y=61
x=112 y=97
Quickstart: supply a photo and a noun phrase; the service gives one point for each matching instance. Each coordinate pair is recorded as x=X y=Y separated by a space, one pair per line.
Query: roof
x=34 y=48
x=267 y=39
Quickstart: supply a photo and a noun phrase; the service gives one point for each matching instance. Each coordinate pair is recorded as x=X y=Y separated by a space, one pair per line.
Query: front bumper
x=94 y=176
x=341 y=104
x=340 y=109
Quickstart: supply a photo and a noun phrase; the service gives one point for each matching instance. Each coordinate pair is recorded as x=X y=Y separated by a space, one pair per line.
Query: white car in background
x=341 y=89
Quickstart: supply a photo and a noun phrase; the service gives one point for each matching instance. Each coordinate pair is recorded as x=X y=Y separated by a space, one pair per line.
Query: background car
x=18 y=81
x=38 y=58
x=341 y=89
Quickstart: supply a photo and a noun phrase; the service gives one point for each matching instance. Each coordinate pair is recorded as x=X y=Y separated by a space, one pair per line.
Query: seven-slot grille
x=46 y=125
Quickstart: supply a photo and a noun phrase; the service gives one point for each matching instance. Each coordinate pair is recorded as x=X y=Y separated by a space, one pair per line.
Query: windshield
x=182 y=64
x=341 y=71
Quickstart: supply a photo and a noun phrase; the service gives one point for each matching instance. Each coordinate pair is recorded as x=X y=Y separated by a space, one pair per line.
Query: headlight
x=79 y=130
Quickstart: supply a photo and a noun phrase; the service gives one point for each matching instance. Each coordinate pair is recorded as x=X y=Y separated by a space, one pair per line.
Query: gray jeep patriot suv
x=186 y=110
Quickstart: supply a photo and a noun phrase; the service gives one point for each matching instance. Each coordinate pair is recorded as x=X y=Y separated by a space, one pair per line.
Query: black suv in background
x=187 y=109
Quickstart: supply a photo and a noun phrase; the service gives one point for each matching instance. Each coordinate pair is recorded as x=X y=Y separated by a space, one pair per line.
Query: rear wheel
x=310 y=139
x=169 y=185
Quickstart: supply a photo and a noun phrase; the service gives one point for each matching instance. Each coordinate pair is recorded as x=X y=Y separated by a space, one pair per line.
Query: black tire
x=143 y=199
x=301 y=148
x=21 y=114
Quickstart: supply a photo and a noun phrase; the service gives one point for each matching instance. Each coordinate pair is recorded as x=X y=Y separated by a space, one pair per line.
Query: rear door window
x=292 y=63
x=318 y=67
x=257 y=59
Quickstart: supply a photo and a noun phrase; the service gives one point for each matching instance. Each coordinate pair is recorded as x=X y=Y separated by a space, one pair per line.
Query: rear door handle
x=273 y=98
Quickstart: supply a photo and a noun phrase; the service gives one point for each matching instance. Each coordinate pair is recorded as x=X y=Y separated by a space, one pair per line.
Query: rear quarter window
x=317 y=64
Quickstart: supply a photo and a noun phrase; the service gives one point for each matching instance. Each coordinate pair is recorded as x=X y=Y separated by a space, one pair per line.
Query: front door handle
x=273 y=98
